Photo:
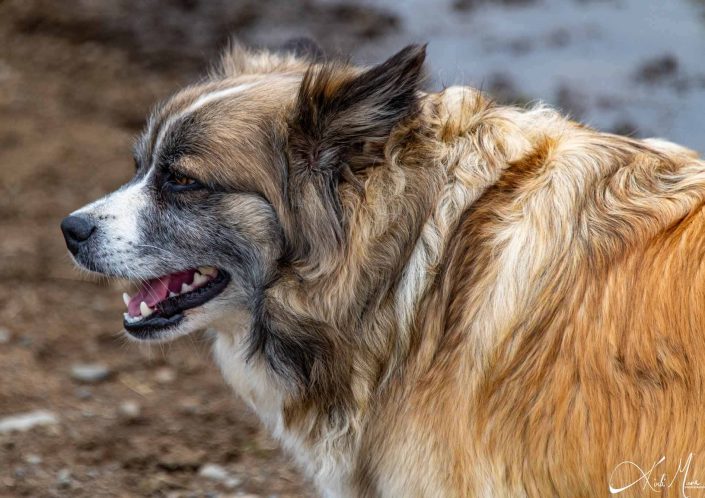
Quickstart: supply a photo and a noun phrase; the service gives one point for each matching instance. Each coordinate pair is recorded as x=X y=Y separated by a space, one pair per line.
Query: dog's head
x=237 y=176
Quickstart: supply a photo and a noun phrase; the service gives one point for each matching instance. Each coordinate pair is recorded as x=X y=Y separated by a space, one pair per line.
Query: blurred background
x=83 y=412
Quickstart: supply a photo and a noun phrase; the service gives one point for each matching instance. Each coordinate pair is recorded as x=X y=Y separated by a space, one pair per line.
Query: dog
x=420 y=294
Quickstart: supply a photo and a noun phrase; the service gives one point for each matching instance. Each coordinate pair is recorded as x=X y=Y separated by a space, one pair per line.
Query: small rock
x=165 y=375
x=33 y=459
x=130 y=410
x=214 y=472
x=83 y=393
x=180 y=458
x=63 y=478
x=232 y=482
x=26 y=421
x=217 y=473
x=90 y=373
x=190 y=405
x=5 y=335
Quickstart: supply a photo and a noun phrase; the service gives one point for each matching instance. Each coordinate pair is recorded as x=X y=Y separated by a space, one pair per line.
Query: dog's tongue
x=157 y=289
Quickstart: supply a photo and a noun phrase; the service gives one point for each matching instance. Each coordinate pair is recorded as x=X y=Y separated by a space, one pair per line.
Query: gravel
x=90 y=373
x=5 y=335
x=130 y=410
x=26 y=421
x=165 y=375
x=63 y=478
x=215 y=472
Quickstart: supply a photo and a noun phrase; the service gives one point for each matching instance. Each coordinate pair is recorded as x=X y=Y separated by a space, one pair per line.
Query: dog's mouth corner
x=160 y=302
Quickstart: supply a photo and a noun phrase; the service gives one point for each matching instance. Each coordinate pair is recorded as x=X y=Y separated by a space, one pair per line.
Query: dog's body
x=430 y=295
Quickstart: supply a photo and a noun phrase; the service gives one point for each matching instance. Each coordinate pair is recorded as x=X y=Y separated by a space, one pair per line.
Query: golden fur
x=481 y=301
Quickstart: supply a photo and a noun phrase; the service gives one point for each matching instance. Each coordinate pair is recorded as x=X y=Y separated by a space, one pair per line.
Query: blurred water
x=615 y=64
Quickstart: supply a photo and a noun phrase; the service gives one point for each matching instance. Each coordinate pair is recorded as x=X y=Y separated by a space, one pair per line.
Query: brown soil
x=77 y=79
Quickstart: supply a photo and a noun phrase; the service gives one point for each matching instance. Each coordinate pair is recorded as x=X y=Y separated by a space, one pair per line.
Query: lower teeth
x=131 y=319
x=201 y=277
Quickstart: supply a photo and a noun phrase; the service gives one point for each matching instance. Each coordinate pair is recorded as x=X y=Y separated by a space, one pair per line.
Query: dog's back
x=563 y=338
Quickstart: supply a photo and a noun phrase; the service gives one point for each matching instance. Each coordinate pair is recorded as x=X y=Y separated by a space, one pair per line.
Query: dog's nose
x=77 y=230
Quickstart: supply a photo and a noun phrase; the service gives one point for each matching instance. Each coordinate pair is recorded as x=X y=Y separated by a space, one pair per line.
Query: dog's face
x=194 y=225
x=224 y=188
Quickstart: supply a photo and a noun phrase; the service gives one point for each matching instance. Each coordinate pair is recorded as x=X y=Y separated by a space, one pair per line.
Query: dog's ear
x=341 y=120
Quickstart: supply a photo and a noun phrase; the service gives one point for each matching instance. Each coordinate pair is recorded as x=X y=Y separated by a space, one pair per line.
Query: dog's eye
x=177 y=181
x=182 y=180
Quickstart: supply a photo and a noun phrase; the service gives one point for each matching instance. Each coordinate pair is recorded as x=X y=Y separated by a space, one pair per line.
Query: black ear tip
x=411 y=55
x=304 y=47
x=417 y=50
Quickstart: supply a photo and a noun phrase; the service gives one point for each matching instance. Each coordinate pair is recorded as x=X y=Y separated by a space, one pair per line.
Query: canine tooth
x=145 y=310
x=199 y=279
x=172 y=294
x=126 y=298
x=186 y=288
x=208 y=271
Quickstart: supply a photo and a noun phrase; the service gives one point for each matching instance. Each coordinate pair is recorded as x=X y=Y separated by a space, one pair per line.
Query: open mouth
x=160 y=302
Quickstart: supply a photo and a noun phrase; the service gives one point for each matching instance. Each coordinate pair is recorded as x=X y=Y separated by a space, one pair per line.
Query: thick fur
x=438 y=295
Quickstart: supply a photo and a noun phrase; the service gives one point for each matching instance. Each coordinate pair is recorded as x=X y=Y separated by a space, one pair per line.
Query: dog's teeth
x=126 y=298
x=172 y=294
x=186 y=288
x=208 y=271
x=199 y=279
x=145 y=310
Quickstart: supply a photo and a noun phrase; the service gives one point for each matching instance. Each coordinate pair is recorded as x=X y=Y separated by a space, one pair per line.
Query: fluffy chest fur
x=253 y=382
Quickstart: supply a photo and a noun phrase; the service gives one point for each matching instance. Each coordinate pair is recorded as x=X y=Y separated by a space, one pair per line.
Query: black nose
x=77 y=230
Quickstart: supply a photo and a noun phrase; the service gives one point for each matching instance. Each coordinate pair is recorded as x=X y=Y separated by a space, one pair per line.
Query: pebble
x=33 y=459
x=5 y=335
x=165 y=375
x=217 y=473
x=232 y=482
x=190 y=405
x=130 y=410
x=83 y=393
x=63 y=478
x=178 y=458
x=90 y=373
x=26 y=421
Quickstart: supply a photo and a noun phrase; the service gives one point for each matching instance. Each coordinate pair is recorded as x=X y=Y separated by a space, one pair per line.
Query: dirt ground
x=77 y=79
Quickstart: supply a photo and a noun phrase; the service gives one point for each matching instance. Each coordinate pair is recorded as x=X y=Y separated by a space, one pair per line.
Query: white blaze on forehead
x=201 y=101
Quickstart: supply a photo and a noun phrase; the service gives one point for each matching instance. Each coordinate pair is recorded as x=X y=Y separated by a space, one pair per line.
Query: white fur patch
x=117 y=214
x=195 y=105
